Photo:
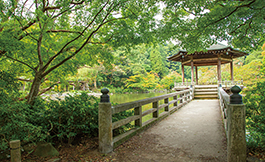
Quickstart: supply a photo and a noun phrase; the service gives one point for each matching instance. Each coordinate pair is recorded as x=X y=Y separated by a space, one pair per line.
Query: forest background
x=120 y=44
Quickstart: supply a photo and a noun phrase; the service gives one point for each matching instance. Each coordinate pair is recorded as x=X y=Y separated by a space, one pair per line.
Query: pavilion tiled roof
x=209 y=57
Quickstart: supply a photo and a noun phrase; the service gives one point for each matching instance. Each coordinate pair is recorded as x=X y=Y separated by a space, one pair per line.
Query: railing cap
x=104 y=97
x=235 y=98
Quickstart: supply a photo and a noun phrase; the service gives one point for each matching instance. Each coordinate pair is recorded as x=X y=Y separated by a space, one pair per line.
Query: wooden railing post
x=191 y=92
x=166 y=102
x=181 y=98
x=138 y=111
x=15 y=151
x=156 y=113
x=105 y=123
x=236 y=145
x=175 y=98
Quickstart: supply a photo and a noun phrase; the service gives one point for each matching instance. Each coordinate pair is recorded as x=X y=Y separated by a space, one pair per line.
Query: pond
x=123 y=98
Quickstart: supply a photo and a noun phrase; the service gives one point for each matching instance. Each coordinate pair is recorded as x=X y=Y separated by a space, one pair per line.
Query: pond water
x=123 y=98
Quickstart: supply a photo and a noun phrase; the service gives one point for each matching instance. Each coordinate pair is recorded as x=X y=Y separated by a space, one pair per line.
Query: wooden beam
x=182 y=69
x=196 y=73
x=219 y=70
x=192 y=72
x=209 y=59
x=232 y=71
x=185 y=62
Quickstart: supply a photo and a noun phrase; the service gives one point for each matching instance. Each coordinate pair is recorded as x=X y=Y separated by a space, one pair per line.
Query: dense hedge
x=52 y=120
x=255 y=115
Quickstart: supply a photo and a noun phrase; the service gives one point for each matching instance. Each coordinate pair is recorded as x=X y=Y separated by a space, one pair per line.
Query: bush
x=14 y=114
x=255 y=115
x=52 y=120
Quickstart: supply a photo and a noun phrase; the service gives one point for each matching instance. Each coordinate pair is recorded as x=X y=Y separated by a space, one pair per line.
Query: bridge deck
x=193 y=133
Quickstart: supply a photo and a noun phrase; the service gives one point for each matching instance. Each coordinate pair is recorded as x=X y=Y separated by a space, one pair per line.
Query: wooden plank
x=175 y=107
x=162 y=106
x=148 y=111
x=173 y=101
x=130 y=105
x=124 y=121
x=117 y=138
x=149 y=121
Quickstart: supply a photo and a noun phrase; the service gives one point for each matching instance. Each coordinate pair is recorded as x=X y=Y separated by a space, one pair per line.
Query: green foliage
x=120 y=116
x=199 y=23
x=53 y=39
x=255 y=115
x=157 y=64
x=14 y=114
x=143 y=82
x=53 y=120
x=168 y=81
x=9 y=86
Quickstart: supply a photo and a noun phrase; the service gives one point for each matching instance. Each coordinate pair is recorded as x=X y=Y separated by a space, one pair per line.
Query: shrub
x=14 y=114
x=255 y=115
x=73 y=116
x=52 y=120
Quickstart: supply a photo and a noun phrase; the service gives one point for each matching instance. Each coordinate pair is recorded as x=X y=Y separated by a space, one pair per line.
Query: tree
x=49 y=39
x=157 y=64
x=143 y=82
x=168 y=81
x=197 y=24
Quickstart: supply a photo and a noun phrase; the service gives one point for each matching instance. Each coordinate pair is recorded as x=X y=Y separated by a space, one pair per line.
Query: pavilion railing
x=106 y=110
x=226 y=83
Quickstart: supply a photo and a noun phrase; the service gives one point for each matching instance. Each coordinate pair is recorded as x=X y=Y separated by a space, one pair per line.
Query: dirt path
x=193 y=133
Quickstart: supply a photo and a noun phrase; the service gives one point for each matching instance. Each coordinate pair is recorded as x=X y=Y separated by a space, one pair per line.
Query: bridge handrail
x=233 y=113
x=224 y=100
x=106 y=126
x=130 y=105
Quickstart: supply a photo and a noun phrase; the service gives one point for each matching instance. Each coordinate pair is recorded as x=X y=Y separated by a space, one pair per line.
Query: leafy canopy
x=241 y=23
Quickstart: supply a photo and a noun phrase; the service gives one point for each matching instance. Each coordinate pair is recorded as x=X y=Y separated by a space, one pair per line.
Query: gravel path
x=193 y=133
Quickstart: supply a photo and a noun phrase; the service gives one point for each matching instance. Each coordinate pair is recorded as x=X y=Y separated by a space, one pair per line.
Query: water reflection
x=123 y=98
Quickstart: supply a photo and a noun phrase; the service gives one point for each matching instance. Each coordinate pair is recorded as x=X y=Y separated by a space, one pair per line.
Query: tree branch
x=246 y=5
x=87 y=40
x=239 y=26
x=25 y=80
x=48 y=88
x=28 y=25
x=51 y=8
x=64 y=31
x=77 y=3
x=102 y=42
x=39 y=50
x=22 y=63
x=62 y=49
x=63 y=12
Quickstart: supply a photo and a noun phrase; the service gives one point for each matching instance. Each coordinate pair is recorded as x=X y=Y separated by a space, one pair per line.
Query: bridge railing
x=106 y=126
x=233 y=113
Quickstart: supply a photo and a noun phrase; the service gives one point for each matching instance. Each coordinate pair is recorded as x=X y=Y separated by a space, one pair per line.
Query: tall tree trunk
x=95 y=83
x=34 y=90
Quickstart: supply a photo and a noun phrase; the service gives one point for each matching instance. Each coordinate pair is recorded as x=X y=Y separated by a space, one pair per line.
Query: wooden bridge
x=191 y=130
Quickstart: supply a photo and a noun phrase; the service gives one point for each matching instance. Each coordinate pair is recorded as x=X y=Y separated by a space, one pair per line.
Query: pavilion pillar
x=232 y=70
x=192 y=72
x=219 y=70
x=196 y=74
x=182 y=69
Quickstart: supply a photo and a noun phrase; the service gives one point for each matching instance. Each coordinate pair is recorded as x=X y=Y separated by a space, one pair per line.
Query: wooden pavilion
x=217 y=54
